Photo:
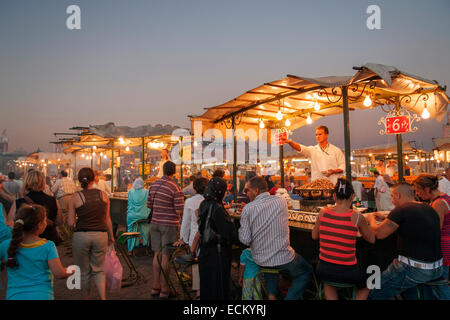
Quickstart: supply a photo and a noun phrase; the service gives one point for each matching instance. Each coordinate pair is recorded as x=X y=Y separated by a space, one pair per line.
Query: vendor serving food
x=327 y=160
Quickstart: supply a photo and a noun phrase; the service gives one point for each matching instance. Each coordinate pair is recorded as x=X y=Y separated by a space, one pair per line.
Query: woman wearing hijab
x=137 y=210
x=217 y=233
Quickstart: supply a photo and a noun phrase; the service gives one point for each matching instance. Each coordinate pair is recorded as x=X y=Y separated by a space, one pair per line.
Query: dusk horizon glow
x=150 y=62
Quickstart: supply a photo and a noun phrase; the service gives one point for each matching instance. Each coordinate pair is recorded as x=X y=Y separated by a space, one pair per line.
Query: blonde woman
x=34 y=187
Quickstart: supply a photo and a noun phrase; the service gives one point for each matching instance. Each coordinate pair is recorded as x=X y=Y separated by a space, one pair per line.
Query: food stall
x=113 y=141
x=292 y=102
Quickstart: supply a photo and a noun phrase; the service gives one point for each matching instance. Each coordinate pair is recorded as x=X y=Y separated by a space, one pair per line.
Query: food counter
x=118 y=209
x=301 y=223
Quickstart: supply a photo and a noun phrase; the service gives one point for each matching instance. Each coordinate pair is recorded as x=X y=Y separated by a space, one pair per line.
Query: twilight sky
x=142 y=62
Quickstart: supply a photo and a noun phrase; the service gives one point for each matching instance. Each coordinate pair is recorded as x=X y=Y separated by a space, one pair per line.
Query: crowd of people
x=37 y=218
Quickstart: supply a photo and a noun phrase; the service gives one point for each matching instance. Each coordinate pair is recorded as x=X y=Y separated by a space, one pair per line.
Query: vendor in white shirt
x=327 y=160
x=164 y=158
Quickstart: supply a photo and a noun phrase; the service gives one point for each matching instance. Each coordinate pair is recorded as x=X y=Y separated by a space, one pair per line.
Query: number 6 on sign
x=397 y=125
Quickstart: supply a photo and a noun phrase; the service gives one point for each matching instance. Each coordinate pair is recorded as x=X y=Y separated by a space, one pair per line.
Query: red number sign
x=396 y=125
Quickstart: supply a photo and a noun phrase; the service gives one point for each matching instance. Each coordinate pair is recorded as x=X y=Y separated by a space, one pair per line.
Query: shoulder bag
x=150 y=215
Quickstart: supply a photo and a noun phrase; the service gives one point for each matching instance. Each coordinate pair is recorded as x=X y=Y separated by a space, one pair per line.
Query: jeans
x=298 y=270
x=428 y=292
x=399 y=277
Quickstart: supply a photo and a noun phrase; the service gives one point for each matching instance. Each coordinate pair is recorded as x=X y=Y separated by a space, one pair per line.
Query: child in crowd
x=30 y=260
x=248 y=280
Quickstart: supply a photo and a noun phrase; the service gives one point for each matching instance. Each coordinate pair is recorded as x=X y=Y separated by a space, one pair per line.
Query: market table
x=118 y=209
x=381 y=253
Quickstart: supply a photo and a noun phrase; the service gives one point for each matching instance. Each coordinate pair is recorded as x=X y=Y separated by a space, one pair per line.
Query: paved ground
x=138 y=291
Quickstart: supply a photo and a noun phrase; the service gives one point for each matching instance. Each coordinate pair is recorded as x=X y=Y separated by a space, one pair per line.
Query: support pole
x=143 y=158
x=75 y=168
x=348 y=167
x=235 y=191
x=181 y=163
x=282 y=165
x=399 y=148
x=92 y=160
x=118 y=172
x=112 y=167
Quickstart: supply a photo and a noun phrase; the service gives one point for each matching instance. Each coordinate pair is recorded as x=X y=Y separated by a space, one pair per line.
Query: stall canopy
x=38 y=157
x=294 y=101
x=295 y=98
x=386 y=149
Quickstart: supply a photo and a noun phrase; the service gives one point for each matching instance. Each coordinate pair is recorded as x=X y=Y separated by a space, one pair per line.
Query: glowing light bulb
x=425 y=113
x=316 y=106
x=287 y=123
x=309 y=120
x=279 y=115
x=82 y=155
x=93 y=153
x=95 y=148
x=367 y=101
x=195 y=143
x=127 y=149
x=261 y=124
x=121 y=140
x=104 y=157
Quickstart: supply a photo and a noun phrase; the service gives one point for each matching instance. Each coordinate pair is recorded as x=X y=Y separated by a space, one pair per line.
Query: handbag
x=113 y=270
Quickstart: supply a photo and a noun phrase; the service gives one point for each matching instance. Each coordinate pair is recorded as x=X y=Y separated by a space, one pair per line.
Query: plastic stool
x=260 y=273
x=338 y=286
x=122 y=246
x=165 y=272
x=139 y=228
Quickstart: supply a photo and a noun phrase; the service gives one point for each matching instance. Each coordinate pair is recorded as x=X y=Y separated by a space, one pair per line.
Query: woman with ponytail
x=337 y=228
x=29 y=259
x=426 y=187
x=89 y=215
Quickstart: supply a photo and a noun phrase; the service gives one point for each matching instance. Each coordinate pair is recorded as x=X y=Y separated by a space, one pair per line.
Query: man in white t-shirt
x=391 y=168
x=444 y=183
x=327 y=160
x=100 y=183
x=357 y=187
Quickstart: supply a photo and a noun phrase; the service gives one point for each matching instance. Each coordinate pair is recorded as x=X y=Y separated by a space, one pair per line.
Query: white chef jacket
x=444 y=186
x=322 y=160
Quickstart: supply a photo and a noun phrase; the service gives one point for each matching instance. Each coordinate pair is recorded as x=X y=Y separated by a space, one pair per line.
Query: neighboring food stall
x=113 y=141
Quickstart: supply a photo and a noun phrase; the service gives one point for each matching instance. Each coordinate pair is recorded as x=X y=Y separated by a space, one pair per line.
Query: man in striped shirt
x=166 y=200
x=264 y=226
